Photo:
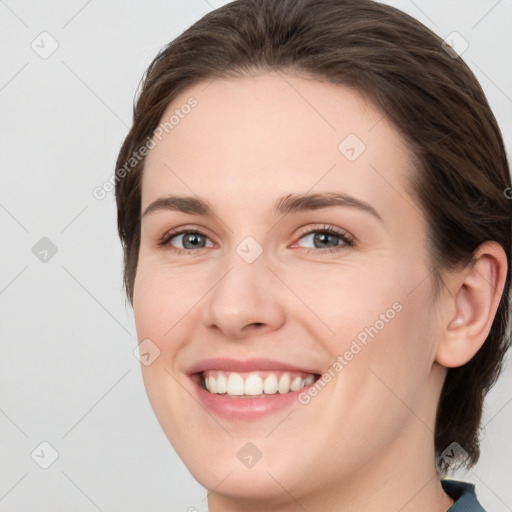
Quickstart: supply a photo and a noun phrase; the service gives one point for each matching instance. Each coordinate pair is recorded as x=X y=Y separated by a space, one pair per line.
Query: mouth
x=249 y=390
x=252 y=385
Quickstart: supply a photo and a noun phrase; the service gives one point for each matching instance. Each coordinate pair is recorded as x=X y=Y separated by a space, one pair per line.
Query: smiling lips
x=249 y=389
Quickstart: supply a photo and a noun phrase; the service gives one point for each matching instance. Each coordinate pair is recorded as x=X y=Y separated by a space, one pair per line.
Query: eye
x=326 y=239
x=185 y=240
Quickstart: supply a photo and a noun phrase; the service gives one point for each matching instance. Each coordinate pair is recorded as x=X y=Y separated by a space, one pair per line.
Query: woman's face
x=296 y=252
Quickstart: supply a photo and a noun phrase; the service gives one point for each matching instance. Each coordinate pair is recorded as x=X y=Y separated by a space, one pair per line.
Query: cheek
x=163 y=300
x=345 y=302
x=162 y=306
x=375 y=319
x=399 y=357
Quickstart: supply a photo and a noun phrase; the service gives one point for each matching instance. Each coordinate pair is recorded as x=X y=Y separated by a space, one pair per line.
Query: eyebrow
x=290 y=203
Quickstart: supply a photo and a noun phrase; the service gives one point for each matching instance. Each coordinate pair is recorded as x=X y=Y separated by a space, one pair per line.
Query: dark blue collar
x=463 y=494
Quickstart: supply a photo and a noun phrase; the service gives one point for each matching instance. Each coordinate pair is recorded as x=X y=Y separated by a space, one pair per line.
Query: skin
x=365 y=442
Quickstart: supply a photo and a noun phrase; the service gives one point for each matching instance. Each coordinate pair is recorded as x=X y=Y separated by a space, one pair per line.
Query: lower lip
x=246 y=408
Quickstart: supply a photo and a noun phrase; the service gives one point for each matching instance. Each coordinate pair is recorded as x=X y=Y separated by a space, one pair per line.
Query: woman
x=312 y=205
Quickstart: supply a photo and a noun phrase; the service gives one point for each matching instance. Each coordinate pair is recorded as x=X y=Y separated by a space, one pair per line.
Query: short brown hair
x=429 y=93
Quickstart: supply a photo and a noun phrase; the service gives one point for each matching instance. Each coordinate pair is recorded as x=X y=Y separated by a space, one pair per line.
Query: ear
x=476 y=292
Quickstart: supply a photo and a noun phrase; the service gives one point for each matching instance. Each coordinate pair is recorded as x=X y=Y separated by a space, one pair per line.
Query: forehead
x=266 y=135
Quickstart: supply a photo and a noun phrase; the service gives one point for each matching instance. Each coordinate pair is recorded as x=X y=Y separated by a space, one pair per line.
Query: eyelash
x=348 y=241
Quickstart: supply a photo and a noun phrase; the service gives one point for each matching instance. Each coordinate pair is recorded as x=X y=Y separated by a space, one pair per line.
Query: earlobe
x=476 y=294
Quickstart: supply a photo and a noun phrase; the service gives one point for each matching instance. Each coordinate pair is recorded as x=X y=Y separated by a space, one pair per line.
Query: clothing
x=463 y=494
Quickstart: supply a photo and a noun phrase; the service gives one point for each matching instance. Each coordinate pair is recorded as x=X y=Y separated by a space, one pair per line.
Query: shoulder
x=464 y=495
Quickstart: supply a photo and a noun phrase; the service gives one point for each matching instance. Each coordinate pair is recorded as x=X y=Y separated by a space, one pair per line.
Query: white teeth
x=270 y=385
x=296 y=384
x=222 y=383
x=255 y=383
x=235 y=384
x=212 y=384
x=284 y=384
x=309 y=380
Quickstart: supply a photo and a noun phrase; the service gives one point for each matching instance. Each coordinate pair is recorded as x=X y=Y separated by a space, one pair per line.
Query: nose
x=244 y=300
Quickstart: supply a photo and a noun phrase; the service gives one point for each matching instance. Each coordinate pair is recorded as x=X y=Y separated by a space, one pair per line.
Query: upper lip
x=248 y=365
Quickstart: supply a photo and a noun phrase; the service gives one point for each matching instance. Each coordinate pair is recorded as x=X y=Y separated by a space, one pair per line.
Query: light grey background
x=68 y=375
